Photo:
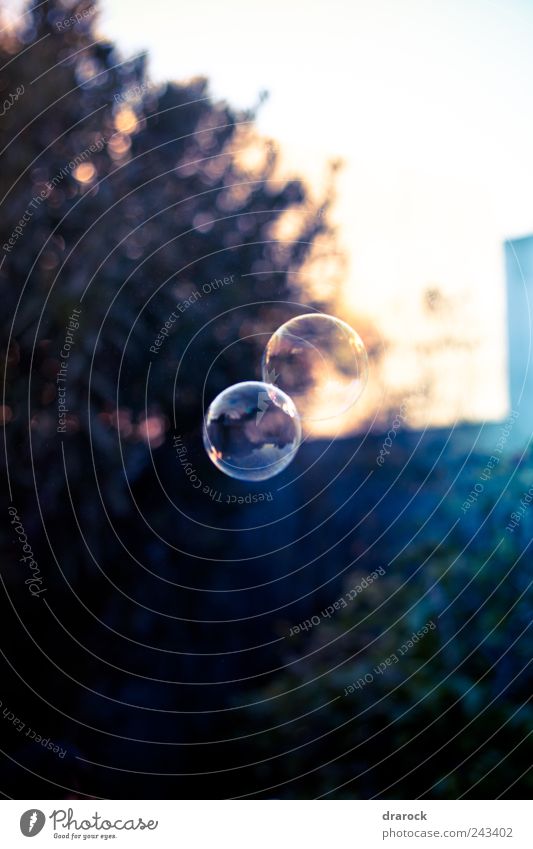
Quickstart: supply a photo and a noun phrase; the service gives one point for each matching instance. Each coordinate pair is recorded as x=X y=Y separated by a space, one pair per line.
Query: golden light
x=85 y=172
x=126 y=120
x=287 y=226
x=152 y=430
x=118 y=145
x=253 y=158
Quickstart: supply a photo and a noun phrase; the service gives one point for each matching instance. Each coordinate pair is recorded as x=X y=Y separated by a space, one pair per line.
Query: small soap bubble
x=320 y=362
x=252 y=431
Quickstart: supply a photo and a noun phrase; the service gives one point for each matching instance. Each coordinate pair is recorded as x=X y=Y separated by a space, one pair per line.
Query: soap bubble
x=252 y=431
x=320 y=361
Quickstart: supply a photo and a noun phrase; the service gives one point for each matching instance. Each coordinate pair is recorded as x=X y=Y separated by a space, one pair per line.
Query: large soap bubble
x=252 y=431
x=320 y=361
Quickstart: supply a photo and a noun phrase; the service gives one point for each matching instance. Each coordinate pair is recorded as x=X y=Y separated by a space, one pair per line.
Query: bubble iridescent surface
x=252 y=431
x=320 y=361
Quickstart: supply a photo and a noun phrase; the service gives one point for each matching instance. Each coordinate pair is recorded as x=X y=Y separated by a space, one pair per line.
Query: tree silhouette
x=152 y=211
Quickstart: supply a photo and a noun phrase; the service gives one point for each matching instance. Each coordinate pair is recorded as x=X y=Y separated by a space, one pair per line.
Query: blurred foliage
x=180 y=192
x=453 y=715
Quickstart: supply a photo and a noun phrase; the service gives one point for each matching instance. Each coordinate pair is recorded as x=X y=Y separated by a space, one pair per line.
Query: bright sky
x=429 y=104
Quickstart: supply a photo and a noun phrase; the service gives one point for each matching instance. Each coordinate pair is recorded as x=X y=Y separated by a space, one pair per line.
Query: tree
x=142 y=250
x=126 y=202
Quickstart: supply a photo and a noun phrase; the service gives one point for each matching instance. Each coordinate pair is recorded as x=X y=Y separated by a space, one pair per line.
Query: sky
x=428 y=103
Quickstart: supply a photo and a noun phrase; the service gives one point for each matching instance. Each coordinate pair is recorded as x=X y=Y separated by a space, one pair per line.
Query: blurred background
x=234 y=167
